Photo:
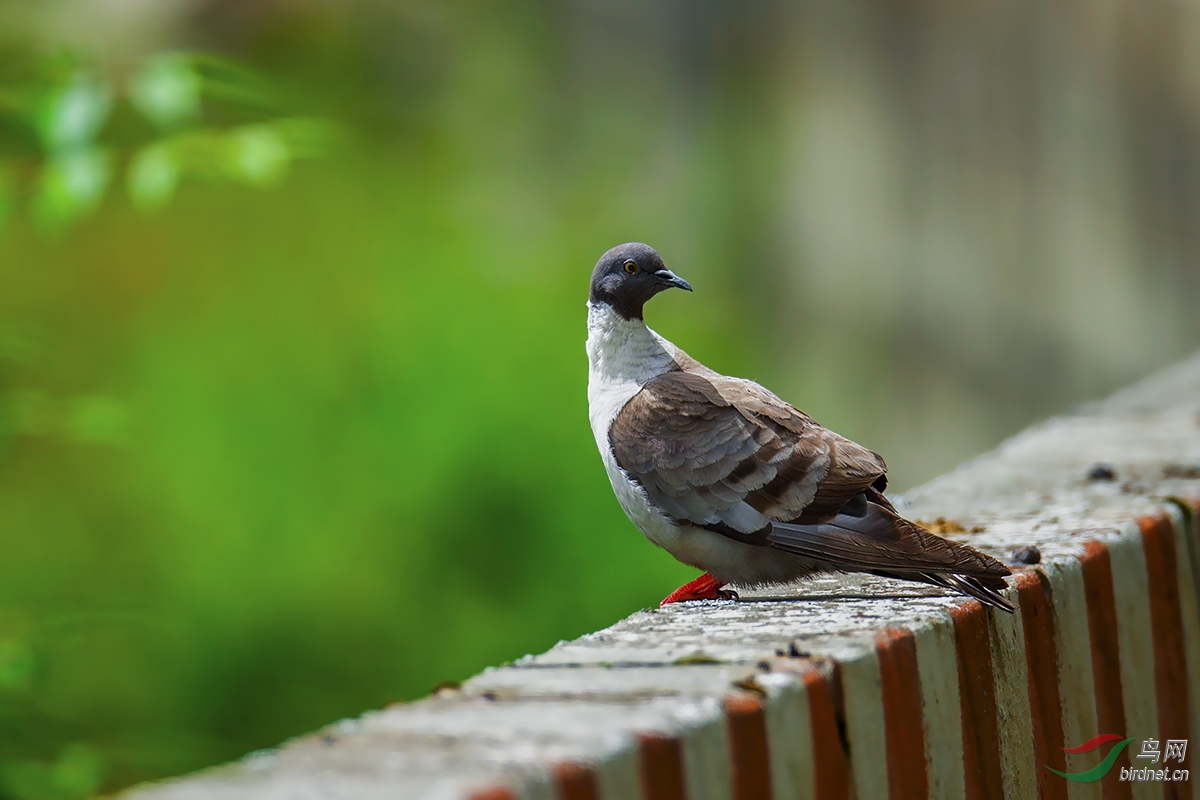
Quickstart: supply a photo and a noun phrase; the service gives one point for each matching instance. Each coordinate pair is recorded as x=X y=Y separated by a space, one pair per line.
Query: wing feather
x=713 y=449
x=704 y=445
x=727 y=455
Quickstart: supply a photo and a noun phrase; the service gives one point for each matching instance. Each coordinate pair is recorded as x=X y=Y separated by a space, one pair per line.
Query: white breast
x=623 y=356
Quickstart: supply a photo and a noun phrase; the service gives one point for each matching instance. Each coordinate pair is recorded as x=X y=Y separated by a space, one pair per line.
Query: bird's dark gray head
x=630 y=274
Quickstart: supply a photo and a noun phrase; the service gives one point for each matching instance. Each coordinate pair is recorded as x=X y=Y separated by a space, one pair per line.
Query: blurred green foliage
x=177 y=115
x=271 y=459
x=66 y=129
x=280 y=444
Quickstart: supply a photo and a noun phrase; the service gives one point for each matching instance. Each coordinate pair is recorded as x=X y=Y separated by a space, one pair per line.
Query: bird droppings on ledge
x=942 y=526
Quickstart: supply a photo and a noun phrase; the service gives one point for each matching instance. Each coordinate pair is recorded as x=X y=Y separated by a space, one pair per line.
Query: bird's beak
x=671 y=279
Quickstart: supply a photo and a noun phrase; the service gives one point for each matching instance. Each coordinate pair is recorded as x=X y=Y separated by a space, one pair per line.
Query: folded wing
x=727 y=455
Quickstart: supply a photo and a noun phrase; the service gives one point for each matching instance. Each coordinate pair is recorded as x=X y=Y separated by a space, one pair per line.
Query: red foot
x=706 y=587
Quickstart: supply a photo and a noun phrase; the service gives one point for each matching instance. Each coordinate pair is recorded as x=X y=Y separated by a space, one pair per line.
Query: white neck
x=623 y=356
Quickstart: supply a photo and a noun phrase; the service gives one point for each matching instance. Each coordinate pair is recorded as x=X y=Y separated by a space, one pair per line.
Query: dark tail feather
x=984 y=590
x=869 y=537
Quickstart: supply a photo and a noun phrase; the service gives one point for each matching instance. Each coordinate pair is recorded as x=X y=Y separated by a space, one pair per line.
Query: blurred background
x=292 y=383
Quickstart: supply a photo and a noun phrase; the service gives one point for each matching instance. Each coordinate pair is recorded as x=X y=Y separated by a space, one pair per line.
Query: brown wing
x=727 y=455
x=714 y=450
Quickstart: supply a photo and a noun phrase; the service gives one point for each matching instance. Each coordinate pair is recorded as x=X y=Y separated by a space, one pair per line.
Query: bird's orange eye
x=631 y=266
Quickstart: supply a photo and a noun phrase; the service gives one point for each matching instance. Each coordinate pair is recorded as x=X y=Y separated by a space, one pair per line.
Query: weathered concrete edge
x=842 y=666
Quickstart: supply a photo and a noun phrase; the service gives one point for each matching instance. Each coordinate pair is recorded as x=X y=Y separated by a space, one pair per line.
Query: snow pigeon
x=728 y=478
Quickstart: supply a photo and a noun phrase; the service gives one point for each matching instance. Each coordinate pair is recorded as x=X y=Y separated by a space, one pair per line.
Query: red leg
x=706 y=587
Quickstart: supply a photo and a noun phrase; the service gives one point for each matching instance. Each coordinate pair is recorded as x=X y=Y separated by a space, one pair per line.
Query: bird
x=730 y=479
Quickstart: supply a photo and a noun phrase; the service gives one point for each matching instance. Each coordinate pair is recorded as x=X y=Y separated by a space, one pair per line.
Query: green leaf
x=70 y=116
x=232 y=83
x=257 y=155
x=307 y=138
x=71 y=185
x=152 y=177
x=166 y=90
